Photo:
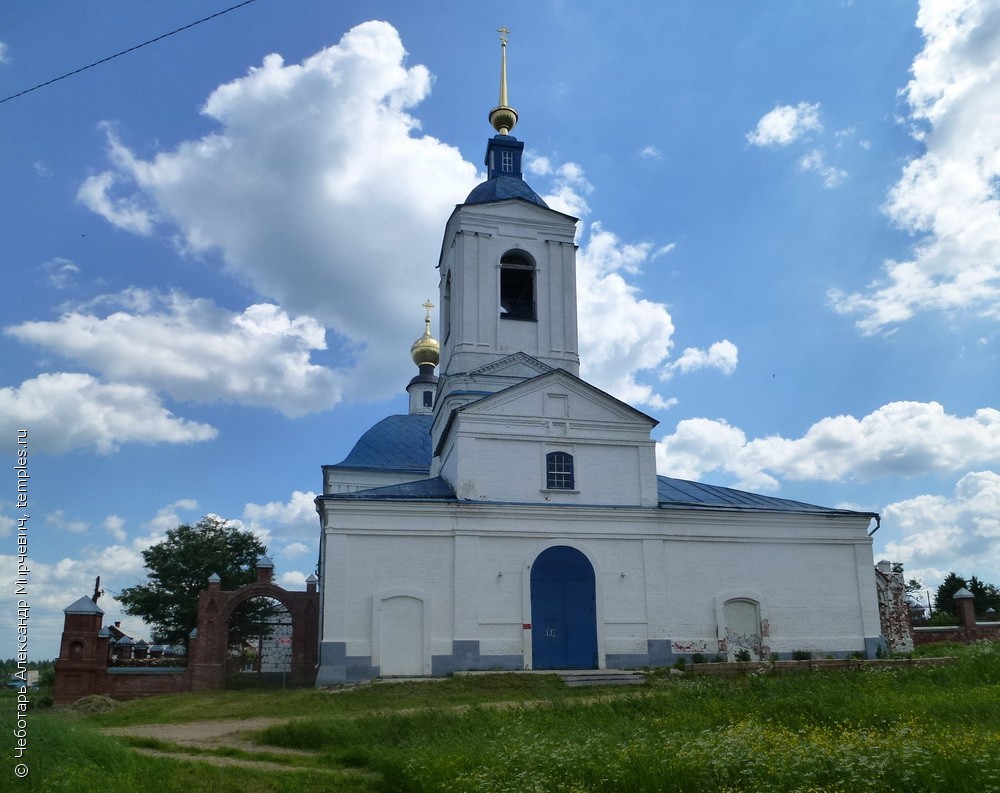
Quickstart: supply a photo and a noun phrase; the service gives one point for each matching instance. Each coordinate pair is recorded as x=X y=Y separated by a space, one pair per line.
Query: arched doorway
x=260 y=643
x=563 y=610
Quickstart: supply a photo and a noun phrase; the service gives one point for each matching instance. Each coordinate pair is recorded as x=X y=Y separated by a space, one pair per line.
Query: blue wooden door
x=563 y=610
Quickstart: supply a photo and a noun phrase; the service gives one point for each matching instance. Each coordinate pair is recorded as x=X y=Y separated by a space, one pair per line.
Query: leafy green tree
x=985 y=595
x=178 y=569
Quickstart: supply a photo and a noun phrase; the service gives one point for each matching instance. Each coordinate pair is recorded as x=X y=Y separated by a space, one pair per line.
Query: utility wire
x=125 y=52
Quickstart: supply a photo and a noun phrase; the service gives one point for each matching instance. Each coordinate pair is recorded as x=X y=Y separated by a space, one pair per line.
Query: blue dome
x=500 y=188
x=396 y=443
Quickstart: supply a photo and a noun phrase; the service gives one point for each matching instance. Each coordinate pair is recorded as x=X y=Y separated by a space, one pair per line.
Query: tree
x=985 y=595
x=178 y=569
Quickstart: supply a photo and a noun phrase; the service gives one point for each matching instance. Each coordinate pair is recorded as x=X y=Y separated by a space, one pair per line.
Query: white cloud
x=114 y=524
x=815 y=161
x=569 y=186
x=294 y=521
x=898 y=439
x=311 y=188
x=621 y=334
x=651 y=153
x=168 y=517
x=941 y=534
x=296 y=549
x=60 y=273
x=64 y=411
x=786 y=124
x=723 y=355
x=293 y=580
x=194 y=350
x=4 y=50
x=949 y=195
x=57 y=519
x=126 y=212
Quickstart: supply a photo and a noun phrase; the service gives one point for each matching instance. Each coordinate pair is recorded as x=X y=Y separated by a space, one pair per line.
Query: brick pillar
x=965 y=606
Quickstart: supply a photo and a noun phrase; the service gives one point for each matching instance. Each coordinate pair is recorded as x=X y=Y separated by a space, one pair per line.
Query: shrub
x=742 y=655
x=697 y=658
x=801 y=655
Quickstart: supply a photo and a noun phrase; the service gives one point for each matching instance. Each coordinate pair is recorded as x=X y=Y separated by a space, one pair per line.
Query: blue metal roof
x=396 y=443
x=420 y=490
x=500 y=188
x=681 y=493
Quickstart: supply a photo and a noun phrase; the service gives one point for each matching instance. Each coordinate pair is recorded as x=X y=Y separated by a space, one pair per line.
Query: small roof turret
x=504 y=179
x=83 y=606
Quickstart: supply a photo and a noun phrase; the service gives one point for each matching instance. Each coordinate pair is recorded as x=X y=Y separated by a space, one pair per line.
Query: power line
x=125 y=52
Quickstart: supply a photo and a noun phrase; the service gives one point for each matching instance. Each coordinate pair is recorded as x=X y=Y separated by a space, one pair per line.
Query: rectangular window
x=507 y=161
x=428 y=399
x=559 y=471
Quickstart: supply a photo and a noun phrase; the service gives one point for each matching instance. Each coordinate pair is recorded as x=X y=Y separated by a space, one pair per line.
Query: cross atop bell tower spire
x=503 y=117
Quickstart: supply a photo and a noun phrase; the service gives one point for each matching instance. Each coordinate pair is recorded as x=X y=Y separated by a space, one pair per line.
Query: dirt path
x=203 y=736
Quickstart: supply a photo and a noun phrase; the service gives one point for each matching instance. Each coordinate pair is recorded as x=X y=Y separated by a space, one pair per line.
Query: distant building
x=514 y=519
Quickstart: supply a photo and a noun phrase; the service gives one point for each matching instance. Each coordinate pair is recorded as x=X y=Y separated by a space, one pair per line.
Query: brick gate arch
x=209 y=647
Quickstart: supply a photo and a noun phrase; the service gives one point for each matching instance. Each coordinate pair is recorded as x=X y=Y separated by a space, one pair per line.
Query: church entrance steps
x=580 y=677
x=602 y=677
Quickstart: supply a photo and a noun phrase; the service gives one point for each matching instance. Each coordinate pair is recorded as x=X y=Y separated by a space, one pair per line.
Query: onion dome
x=426 y=351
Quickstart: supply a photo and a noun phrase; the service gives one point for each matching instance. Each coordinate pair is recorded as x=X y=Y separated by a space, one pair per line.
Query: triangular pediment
x=557 y=395
x=519 y=365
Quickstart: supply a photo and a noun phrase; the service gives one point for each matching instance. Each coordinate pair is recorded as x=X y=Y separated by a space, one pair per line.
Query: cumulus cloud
x=115 y=527
x=899 y=439
x=294 y=521
x=317 y=188
x=723 y=355
x=621 y=334
x=935 y=535
x=57 y=520
x=651 y=153
x=948 y=196
x=569 y=185
x=194 y=350
x=65 y=410
x=127 y=212
x=815 y=162
x=786 y=124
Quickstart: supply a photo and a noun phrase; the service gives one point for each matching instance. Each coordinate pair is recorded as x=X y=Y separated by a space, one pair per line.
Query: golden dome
x=426 y=349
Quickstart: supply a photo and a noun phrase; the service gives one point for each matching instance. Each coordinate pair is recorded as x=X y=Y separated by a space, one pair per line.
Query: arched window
x=517 y=286
x=559 y=471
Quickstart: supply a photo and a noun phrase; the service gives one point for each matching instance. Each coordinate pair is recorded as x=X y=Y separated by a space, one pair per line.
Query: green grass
x=907 y=729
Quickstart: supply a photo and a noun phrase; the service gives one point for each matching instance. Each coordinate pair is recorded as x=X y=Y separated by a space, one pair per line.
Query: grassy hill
x=912 y=729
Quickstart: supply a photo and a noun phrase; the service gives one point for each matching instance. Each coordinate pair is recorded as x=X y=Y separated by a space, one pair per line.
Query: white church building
x=514 y=519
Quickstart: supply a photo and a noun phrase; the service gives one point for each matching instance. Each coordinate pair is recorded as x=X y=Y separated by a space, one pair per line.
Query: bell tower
x=508 y=272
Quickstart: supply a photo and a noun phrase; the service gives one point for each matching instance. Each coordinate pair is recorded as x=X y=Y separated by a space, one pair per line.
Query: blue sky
x=216 y=247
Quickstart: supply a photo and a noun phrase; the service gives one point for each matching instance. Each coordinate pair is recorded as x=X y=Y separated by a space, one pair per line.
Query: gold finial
x=503 y=117
x=426 y=349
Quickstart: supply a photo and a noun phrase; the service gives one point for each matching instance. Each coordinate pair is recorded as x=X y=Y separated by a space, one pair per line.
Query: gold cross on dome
x=502 y=30
x=428 y=305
